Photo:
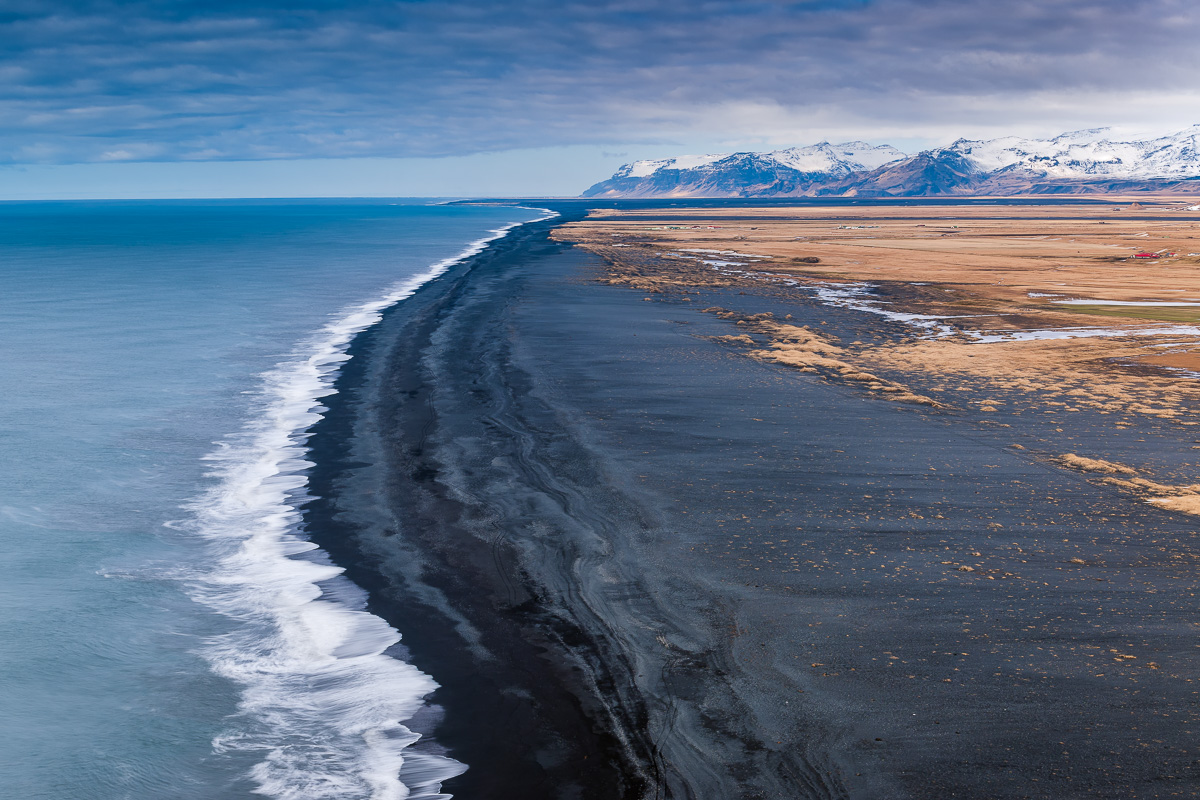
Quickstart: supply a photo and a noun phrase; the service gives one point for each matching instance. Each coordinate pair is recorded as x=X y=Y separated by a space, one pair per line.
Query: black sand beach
x=641 y=564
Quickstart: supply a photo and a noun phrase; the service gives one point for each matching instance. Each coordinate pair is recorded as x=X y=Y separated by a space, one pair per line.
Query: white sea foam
x=322 y=704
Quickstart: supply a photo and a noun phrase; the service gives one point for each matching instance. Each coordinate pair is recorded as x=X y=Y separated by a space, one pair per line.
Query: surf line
x=321 y=704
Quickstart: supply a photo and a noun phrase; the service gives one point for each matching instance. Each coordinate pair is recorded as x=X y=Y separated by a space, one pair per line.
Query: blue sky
x=452 y=98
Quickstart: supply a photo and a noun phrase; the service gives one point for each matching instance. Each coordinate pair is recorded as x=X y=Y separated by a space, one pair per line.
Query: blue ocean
x=167 y=630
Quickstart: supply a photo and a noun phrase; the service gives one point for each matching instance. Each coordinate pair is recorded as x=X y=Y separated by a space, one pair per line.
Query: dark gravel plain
x=641 y=564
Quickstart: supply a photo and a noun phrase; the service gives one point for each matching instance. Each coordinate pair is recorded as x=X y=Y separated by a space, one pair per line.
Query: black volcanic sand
x=641 y=564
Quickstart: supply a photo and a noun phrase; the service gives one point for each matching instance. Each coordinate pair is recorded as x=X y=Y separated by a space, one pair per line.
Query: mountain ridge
x=1076 y=162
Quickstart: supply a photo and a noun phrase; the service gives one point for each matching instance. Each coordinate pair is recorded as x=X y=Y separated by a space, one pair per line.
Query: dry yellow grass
x=983 y=269
x=1096 y=465
x=990 y=253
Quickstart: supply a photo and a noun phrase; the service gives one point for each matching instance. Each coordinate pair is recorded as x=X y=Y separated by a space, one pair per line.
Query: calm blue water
x=158 y=362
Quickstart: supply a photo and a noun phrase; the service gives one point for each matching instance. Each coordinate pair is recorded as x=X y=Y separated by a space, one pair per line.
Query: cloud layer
x=217 y=81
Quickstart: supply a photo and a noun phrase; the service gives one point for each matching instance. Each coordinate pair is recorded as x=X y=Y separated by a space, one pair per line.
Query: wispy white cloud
x=190 y=80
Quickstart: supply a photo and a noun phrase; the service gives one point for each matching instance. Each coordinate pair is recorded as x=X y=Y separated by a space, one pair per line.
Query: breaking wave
x=322 y=704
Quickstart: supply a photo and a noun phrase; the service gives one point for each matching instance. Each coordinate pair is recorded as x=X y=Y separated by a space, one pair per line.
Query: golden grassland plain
x=990 y=273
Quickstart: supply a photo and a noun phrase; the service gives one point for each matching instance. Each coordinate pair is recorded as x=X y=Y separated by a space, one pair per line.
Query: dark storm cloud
x=160 y=80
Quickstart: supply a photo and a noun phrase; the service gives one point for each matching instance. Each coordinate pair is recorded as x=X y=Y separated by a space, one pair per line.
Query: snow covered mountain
x=1083 y=155
x=781 y=172
x=1080 y=161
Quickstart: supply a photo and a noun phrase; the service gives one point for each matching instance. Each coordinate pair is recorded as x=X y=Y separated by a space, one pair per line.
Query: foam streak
x=322 y=704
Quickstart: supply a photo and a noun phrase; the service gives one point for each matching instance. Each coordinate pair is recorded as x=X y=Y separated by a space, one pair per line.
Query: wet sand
x=643 y=563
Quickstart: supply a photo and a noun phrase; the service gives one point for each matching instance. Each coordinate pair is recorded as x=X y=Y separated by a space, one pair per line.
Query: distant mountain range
x=1080 y=162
